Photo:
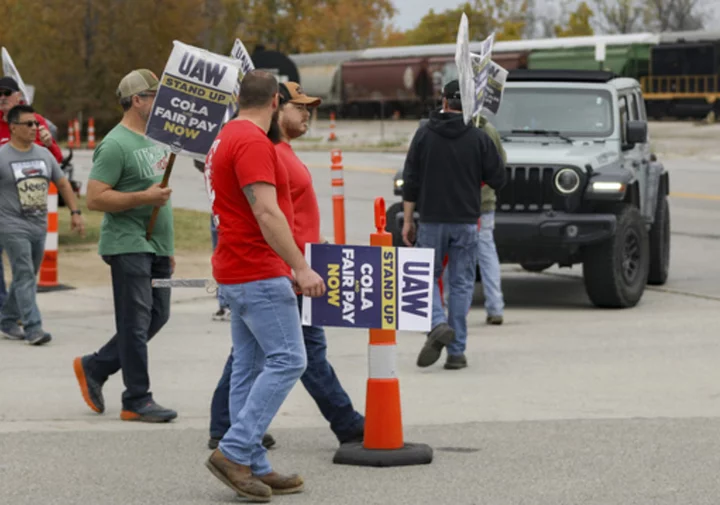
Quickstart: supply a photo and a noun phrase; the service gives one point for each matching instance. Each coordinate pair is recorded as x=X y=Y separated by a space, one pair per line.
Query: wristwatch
x=75 y=212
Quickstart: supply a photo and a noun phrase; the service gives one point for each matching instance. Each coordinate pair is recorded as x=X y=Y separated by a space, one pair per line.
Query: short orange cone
x=91 y=133
x=332 y=136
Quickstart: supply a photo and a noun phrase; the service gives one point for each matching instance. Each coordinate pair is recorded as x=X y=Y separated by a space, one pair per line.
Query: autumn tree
x=628 y=16
x=578 y=23
x=506 y=17
x=674 y=15
x=620 y=16
x=80 y=49
x=294 y=26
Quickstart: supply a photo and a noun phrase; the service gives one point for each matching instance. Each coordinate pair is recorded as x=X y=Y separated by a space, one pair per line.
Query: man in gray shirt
x=26 y=170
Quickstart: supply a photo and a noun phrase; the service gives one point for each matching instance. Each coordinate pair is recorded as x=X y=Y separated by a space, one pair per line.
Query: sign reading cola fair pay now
x=388 y=288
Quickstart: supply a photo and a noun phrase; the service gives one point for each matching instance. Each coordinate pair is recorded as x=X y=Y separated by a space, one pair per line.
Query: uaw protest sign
x=195 y=91
x=246 y=65
x=10 y=70
x=388 y=288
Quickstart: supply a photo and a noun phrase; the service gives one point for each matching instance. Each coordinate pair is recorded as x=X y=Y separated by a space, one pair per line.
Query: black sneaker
x=151 y=412
x=38 y=337
x=455 y=362
x=268 y=441
x=358 y=436
x=439 y=337
x=223 y=314
x=90 y=388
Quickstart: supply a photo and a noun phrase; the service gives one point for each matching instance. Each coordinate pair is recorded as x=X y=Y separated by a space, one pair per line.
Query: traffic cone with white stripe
x=332 y=136
x=383 y=443
x=91 y=133
x=71 y=134
x=48 y=280
x=78 y=134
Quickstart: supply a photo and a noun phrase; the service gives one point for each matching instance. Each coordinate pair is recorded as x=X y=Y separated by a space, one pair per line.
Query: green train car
x=632 y=60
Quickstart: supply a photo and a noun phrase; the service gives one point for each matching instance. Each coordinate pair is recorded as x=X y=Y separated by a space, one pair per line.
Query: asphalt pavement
x=563 y=404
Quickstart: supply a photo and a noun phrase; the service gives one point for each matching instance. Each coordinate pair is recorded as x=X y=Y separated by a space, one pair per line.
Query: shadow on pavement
x=530 y=290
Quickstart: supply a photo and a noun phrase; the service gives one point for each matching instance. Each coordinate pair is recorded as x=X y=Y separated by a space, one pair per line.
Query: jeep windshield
x=565 y=112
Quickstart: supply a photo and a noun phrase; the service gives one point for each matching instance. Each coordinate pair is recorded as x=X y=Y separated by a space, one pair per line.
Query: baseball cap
x=293 y=93
x=452 y=90
x=136 y=82
x=9 y=83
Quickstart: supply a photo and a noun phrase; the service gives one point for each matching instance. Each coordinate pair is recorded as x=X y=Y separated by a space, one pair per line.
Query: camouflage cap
x=136 y=82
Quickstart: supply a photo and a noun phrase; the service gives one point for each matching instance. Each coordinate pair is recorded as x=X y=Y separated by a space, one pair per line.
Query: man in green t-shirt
x=124 y=184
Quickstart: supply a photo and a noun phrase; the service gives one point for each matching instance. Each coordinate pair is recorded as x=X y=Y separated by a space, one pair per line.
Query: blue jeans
x=214 y=237
x=25 y=253
x=489 y=264
x=320 y=382
x=268 y=359
x=460 y=243
x=3 y=289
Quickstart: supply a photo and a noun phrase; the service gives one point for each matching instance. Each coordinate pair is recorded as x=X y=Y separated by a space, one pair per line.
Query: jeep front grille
x=529 y=189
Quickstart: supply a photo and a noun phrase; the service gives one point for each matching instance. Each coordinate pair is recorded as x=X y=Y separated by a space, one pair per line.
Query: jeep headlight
x=398 y=183
x=608 y=187
x=567 y=181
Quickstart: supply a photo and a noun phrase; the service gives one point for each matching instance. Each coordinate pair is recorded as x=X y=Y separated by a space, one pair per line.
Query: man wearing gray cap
x=124 y=184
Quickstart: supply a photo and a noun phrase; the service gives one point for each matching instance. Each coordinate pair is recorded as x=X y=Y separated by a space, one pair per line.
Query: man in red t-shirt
x=254 y=263
x=319 y=378
x=10 y=96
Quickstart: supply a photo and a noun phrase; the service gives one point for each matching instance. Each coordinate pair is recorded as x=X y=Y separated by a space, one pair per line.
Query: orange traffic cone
x=48 y=280
x=48 y=268
x=383 y=443
x=78 y=134
x=71 y=134
x=332 y=136
x=91 y=133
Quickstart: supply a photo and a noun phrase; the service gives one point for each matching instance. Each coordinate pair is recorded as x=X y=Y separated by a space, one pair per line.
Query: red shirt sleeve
x=256 y=162
x=54 y=148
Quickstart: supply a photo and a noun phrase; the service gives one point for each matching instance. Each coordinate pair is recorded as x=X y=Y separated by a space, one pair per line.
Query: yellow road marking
x=695 y=196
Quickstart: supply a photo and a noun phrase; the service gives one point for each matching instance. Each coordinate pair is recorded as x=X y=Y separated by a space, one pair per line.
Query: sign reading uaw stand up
x=195 y=91
x=387 y=288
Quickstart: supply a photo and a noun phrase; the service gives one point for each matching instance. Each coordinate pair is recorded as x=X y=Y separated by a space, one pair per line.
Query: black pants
x=140 y=312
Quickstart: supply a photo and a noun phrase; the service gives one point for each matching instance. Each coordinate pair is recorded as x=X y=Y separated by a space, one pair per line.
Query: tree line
x=76 y=51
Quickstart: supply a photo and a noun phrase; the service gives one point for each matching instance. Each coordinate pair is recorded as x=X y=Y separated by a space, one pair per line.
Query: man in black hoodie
x=445 y=166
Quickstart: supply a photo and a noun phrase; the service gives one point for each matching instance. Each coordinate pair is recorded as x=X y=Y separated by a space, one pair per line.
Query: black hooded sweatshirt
x=445 y=166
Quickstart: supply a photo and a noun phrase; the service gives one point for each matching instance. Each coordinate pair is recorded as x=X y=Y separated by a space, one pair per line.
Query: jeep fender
x=658 y=185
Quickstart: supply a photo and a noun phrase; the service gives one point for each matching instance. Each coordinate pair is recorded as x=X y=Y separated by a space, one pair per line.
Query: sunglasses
x=29 y=124
x=6 y=92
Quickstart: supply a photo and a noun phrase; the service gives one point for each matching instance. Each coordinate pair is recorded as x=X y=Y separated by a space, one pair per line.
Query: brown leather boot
x=283 y=484
x=237 y=477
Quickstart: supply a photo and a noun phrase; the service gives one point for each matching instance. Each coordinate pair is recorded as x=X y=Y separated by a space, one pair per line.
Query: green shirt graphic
x=129 y=162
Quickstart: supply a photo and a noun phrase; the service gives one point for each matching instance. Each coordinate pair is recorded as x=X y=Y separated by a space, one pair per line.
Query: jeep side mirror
x=636 y=132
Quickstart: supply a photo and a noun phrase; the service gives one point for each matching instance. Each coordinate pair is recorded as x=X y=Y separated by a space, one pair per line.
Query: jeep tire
x=391 y=224
x=660 y=243
x=616 y=270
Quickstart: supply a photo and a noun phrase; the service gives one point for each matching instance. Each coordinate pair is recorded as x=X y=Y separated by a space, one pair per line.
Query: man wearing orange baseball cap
x=319 y=378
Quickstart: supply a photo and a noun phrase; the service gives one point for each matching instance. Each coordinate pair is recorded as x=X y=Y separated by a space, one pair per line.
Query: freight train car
x=683 y=78
x=321 y=75
x=679 y=72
